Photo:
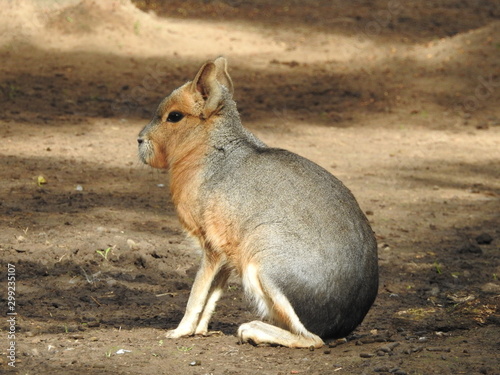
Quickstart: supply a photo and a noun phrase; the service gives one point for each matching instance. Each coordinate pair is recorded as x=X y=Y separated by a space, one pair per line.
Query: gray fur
x=318 y=247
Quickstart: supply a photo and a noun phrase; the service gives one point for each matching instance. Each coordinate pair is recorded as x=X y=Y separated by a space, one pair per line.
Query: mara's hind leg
x=272 y=303
x=258 y=332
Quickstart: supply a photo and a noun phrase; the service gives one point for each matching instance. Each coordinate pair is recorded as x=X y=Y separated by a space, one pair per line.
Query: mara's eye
x=175 y=116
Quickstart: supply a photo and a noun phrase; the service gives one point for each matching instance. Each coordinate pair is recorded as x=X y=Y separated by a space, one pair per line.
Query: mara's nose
x=140 y=140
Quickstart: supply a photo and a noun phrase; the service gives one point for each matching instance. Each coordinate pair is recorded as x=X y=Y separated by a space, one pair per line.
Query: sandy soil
x=400 y=101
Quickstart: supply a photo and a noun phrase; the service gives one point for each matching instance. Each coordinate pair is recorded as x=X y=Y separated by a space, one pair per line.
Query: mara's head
x=183 y=119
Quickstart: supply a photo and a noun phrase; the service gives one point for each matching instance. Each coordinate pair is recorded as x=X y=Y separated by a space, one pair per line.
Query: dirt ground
x=400 y=100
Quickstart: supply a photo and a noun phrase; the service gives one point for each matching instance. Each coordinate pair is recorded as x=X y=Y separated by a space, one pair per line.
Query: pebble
x=368 y=340
x=195 y=363
x=413 y=350
x=484 y=239
x=381 y=369
x=470 y=248
x=490 y=288
x=389 y=347
x=335 y=343
x=366 y=355
x=132 y=245
x=437 y=349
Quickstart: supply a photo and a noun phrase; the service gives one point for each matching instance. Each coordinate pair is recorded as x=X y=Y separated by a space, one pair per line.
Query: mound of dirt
x=92 y=17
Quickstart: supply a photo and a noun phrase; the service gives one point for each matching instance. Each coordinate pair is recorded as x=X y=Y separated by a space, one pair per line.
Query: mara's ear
x=207 y=82
x=222 y=74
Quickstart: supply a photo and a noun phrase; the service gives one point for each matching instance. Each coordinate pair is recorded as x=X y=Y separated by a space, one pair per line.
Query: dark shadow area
x=378 y=20
x=476 y=178
x=128 y=190
x=57 y=88
x=77 y=295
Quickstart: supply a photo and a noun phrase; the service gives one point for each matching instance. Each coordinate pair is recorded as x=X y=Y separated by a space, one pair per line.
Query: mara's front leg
x=213 y=296
x=199 y=299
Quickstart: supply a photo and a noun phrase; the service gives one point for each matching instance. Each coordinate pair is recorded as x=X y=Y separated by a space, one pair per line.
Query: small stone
x=490 y=288
x=195 y=363
x=389 y=347
x=337 y=342
x=435 y=291
x=132 y=245
x=494 y=319
x=381 y=369
x=484 y=239
x=327 y=351
x=368 y=340
x=438 y=349
x=366 y=355
x=470 y=248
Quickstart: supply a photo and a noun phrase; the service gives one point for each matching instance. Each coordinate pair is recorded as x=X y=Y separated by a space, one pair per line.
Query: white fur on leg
x=200 y=294
x=218 y=286
x=262 y=333
x=273 y=304
x=202 y=328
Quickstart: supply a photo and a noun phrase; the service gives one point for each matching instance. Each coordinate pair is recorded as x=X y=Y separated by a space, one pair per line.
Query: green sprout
x=438 y=268
x=104 y=253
